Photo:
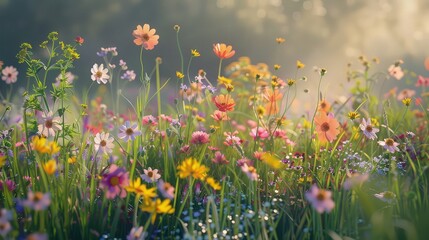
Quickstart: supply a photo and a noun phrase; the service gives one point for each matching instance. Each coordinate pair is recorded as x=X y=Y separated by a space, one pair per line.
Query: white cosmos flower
x=99 y=74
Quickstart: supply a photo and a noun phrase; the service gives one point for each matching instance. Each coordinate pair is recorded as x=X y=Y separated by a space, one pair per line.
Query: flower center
x=98 y=74
x=2 y=226
x=37 y=197
x=325 y=127
x=114 y=181
x=368 y=128
x=150 y=174
x=48 y=123
x=323 y=105
x=129 y=131
x=321 y=195
x=146 y=37
x=103 y=143
x=389 y=142
x=9 y=75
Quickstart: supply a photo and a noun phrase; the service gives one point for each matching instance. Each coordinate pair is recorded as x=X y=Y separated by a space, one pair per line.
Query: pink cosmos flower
x=103 y=143
x=99 y=74
x=10 y=75
x=166 y=189
x=250 y=171
x=200 y=137
x=396 y=71
x=368 y=130
x=115 y=182
x=422 y=81
x=149 y=120
x=219 y=116
x=150 y=175
x=37 y=201
x=129 y=132
x=389 y=144
x=232 y=139
x=259 y=132
x=406 y=93
x=320 y=199
x=219 y=158
x=49 y=124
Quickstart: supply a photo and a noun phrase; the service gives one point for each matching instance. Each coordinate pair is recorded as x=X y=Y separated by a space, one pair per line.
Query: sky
x=323 y=33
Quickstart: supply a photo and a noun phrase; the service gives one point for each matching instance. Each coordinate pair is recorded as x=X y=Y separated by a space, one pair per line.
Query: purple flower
x=129 y=75
x=389 y=144
x=129 y=132
x=37 y=201
x=114 y=182
x=368 y=130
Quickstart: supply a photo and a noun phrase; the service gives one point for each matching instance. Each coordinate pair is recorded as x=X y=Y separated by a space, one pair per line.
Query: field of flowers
x=225 y=160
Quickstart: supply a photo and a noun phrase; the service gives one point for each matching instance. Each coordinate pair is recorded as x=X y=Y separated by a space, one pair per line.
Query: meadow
x=224 y=160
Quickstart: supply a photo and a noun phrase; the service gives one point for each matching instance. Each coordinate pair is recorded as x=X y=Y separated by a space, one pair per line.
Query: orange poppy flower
x=223 y=51
x=224 y=102
x=145 y=36
x=326 y=127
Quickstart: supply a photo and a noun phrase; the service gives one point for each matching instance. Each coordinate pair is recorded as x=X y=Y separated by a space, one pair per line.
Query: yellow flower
x=229 y=87
x=290 y=82
x=223 y=80
x=3 y=159
x=195 y=53
x=200 y=119
x=38 y=143
x=71 y=160
x=277 y=67
x=141 y=189
x=280 y=40
x=271 y=160
x=50 y=167
x=155 y=207
x=375 y=122
x=212 y=182
x=406 y=101
x=191 y=167
x=299 y=64
x=179 y=75
x=53 y=148
x=353 y=115
x=260 y=111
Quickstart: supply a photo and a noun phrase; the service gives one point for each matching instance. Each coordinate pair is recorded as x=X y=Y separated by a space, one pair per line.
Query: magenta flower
x=129 y=132
x=259 y=132
x=368 y=130
x=219 y=158
x=422 y=81
x=320 y=199
x=10 y=75
x=149 y=120
x=114 y=182
x=389 y=144
x=200 y=137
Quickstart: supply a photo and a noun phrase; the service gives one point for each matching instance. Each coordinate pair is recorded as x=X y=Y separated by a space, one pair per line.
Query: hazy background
x=324 y=33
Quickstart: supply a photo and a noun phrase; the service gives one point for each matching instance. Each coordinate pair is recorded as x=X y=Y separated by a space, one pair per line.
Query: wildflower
x=212 y=182
x=137 y=234
x=259 y=133
x=406 y=93
x=67 y=76
x=129 y=75
x=386 y=196
x=39 y=144
x=145 y=36
x=299 y=64
x=422 y=81
x=320 y=199
x=354 y=180
x=3 y=159
x=166 y=189
x=277 y=67
x=396 y=71
x=324 y=106
x=290 y=82
x=149 y=120
x=71 y=160
x=10 y=75
x=353 y=115
x=141 y=189
x=260 y=111
x=49 y=124
x=191 y=167
x=150 y=175
x=326 y=127
x=155 y=207
x=129 y=132
x=10 y=185
x=271 y=160
x=79 y=40
x=271 y=97
x=219 y=116
x=200 y=137
x=103 y=143
x=50 y=167
x=179 y=75
x=223 y=51
x=5 y=228
x=5 y=215
x=250 y=171
x=368 y=129
x=280 y=40
x=99 y=74
x=219 y=158
x=37 y=236
x=406 y=101
x=195 y=53
x=37 y=201
x=389 y=144
x=232 y=139
x=115 y=182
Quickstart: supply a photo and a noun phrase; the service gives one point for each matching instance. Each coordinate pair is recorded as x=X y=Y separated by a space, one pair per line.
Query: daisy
x=10 y=75
x=150 y=175
x=368 y=130
x=389 y=144
x=115 y=182
x=192 y=168
x=49 y=124
x=166 y=189
x=99 y=74
x=320 y=199
x=145 y=36
x=223 y=51
x=103 y=143
x=129 y=132
x=326 y=127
